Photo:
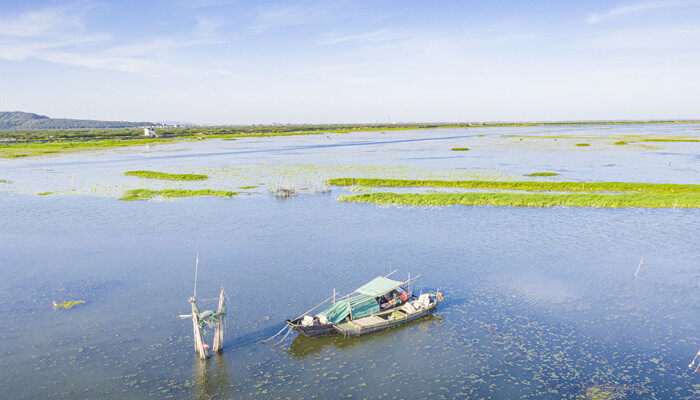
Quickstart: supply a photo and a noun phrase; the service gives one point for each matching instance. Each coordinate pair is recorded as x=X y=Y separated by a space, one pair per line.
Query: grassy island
x=650 y=200
x=524 y=185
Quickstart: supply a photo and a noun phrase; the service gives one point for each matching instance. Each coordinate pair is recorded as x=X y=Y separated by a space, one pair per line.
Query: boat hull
x=351 y=329
x=311 y=331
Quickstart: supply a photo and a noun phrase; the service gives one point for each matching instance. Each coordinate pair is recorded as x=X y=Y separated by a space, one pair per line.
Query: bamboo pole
x=199 y=347
x=217 y=346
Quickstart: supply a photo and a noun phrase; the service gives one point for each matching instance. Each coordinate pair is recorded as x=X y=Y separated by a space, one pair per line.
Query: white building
x=149 y=132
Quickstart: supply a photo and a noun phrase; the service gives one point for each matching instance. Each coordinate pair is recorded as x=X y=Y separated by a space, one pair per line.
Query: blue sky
x=218 y=61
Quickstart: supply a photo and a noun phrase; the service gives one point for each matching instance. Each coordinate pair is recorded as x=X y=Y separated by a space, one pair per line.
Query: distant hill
x=20 y=121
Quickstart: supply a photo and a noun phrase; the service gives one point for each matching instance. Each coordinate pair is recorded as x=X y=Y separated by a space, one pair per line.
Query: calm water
x=541 y=303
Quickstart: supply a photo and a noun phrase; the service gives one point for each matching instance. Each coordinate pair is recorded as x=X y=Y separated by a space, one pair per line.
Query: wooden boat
x=369 y=299
x=387 y=319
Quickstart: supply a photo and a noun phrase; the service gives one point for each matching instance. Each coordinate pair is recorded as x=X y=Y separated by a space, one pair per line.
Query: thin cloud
x=300 y=13
x=58 y=35
x=639 y=7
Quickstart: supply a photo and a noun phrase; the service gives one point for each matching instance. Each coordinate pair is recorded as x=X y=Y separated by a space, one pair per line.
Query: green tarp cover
x=362 y=306
x=337 y=312
x=377 y=286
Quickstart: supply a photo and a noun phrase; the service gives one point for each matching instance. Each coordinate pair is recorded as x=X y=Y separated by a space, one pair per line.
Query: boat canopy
x=378 y=286
x=362 y=304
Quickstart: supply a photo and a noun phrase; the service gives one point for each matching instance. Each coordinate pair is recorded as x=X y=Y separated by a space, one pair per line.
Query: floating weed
x=68 y=304
x=44 y=193
x=583 y=144
x=620 y=143
x=166 y=176
x=460 y=149
x=542 y=174
x=248 y=187
x=147 y=194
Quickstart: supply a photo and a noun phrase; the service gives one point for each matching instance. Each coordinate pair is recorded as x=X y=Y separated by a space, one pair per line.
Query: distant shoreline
x=40 y=135
x=17 y=144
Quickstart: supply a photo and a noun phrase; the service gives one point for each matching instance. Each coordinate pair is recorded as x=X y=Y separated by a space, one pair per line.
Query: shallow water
x=541 y=303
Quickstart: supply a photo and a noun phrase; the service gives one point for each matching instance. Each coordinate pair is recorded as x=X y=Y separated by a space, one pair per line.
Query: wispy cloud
x=639 y=7
x=59 y=35
x=296 y=13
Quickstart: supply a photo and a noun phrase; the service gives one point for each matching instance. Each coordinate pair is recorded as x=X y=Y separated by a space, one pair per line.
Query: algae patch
x=460 y=149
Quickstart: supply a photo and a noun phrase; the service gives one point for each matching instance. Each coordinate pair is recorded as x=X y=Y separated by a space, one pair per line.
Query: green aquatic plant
x=542 y=174
x=583 y=144
x=44 y=193
x=147 y=194
x=647 y=200
x=166 y=176
x=248 y=187
x=620 y=143
x=524 y=185
x=68 y=304
x=460 y=149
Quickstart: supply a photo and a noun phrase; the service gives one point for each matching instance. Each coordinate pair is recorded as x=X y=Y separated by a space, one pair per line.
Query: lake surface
x=541 y=303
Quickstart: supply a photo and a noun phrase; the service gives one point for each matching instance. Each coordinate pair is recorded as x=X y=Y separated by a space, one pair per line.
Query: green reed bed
x=524 y=185
x=147 y=194
x=166 y=176
x=648 y=200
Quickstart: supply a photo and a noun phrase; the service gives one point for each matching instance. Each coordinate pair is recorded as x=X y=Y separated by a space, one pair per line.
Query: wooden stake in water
x=218 y=344
x=196 y=267
x=200 y=347
x=640 y=266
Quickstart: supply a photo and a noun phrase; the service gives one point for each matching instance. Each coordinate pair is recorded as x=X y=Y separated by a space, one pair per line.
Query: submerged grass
x=166 y=176
x=648 y=200
x=542 y=174
x=147 y=194
x=524 y=185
